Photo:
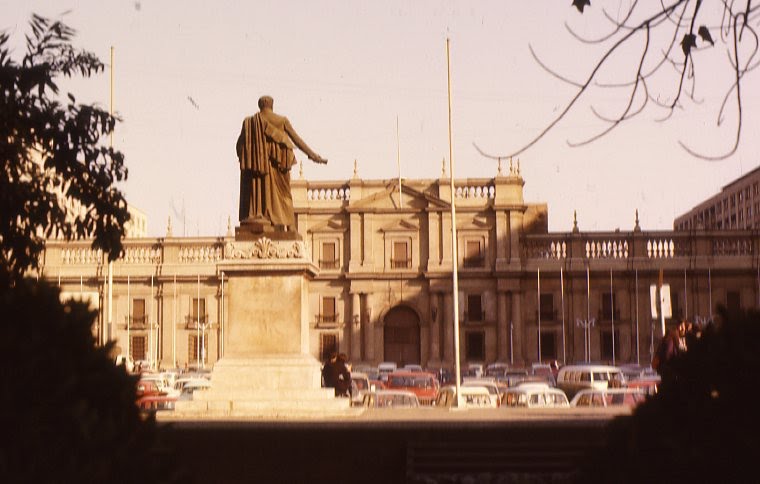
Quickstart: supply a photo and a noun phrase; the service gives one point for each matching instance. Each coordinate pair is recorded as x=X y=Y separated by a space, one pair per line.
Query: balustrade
x=340 y=193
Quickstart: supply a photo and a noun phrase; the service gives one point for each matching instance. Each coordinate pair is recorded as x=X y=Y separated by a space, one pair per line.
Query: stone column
x=448 y=328
x=369 y=329
x=356 y=329
x=436 y=312
x=356 y=235
x=517 y=328
x=502 y=327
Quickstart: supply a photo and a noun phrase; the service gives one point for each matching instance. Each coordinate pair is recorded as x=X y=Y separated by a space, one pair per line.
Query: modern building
x=737 y=206
x=383 y=291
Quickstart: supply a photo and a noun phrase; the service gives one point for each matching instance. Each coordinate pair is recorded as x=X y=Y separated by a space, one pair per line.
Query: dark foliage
x=68 y=413
x=703 y=425
x=50 y=150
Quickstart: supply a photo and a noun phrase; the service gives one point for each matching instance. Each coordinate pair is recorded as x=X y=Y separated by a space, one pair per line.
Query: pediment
x=400 y=226
x=387 y=198
x=474 y=223
x=330 y=225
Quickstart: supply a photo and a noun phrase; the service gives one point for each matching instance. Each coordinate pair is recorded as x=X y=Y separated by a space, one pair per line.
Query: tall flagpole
x=538 y=312
x=398 y=164
x=454 y=256
x=562 y=295
x=174 y=323
x=612 y=306
x=638 y=358
x=129 y=318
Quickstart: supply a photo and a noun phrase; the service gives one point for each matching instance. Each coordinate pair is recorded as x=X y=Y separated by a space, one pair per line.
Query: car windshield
x=411 y=381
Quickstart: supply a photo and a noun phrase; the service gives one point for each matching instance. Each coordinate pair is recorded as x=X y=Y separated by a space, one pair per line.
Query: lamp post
x=586 y=324
x=206 y=323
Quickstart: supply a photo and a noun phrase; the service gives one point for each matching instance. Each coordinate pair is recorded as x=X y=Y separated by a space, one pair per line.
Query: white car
x=609 y=397
x=472 y=397
x=390 y=399
x=490 y=385
x=191 y=387
x=534 y=395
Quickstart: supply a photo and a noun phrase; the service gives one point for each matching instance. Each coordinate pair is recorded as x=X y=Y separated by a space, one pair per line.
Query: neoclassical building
x=383 y=289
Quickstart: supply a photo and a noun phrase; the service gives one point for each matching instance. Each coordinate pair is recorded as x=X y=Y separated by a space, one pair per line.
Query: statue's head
x=266 y=102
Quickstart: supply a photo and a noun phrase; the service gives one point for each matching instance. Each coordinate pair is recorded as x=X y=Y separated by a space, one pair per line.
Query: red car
x=422 y=384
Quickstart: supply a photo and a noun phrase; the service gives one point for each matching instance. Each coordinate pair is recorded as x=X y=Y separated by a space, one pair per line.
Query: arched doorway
x=401 y=335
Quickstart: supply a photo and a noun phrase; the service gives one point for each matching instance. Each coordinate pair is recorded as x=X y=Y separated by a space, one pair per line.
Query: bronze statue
x=265 y=154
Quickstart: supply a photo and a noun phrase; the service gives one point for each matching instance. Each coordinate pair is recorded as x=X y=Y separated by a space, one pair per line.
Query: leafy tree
x=664 y=48
x=53 y=152
x=69 y=413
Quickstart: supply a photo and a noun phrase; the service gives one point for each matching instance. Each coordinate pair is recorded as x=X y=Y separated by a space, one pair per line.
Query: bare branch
x=630 y=98
x=618 y=27
x=555 y=74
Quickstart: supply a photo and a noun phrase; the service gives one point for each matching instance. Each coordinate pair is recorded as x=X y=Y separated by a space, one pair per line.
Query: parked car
x=424 y=385
x=412 y=367
x=649 y=384
x=385 y=368
x=443 y=375
x=535 y=395
x=496 y=370
x=191 y=388
x=155 y=403
x=472 y=397
x=608 y=397
x=126 y=361
x=164 y=383
x=545 y=371
x=574 y=378
x=359 y=386
x=514 y=375
x=390 y=399
x=490 y=385
x=147 y=388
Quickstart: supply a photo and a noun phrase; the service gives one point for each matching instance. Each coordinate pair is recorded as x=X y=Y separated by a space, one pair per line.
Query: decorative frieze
x=265 y=248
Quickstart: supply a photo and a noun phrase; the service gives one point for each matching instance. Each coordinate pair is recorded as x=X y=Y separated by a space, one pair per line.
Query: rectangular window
x=328 y=344
x=329 y=259
x=138 y=347
x=475 y=308
x=473 y=255
x=198 y=311
x=138 y=312
x=548 y=345
x=193 y=356
x=609 y=304
x=475 y=346
x=607 y=344
x=328 y=310
x=547 y=307
x=400 y=257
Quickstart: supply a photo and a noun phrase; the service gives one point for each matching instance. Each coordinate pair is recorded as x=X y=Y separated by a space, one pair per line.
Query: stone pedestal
x=266 y=369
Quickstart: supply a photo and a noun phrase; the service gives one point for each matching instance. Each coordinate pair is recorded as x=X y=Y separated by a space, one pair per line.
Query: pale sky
x=186 y=73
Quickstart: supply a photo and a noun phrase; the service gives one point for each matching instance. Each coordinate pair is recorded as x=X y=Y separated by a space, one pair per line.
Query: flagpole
x=174 y=323
x=398 y=164
x=129 y=317
x=538 y=312
x=562 y=296
x=638 y=358
x=454 y=256
x=612 y=306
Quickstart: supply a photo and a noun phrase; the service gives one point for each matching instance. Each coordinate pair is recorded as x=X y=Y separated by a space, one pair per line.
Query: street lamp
x=586 y=324
x=204 y=325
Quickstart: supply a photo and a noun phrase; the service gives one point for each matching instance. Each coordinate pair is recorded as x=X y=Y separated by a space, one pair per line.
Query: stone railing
x=474 y=190
x=545 y=248
x=328 y=192
x=81 y=255
x=734 y=246
x=649 y=245
x=142 y=254
x=606 y=248
x=200 y=253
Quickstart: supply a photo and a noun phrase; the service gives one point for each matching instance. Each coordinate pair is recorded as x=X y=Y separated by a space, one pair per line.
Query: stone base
x=275 y=386
x=254 y=229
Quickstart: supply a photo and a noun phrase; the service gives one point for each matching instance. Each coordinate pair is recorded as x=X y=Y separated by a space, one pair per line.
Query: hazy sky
x=187 y=73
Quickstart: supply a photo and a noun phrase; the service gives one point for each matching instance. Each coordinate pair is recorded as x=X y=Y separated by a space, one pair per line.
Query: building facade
x=384 y=287
x=737 y=206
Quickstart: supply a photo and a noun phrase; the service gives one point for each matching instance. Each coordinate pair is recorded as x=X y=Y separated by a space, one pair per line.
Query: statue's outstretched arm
x=301 y=144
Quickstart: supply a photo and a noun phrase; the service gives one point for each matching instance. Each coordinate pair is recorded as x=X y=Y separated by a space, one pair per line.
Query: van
x=535 y=395
x=573 y=378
